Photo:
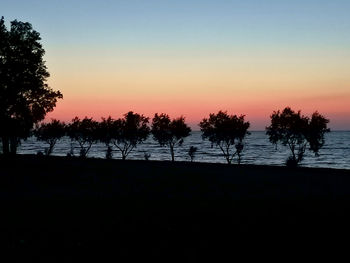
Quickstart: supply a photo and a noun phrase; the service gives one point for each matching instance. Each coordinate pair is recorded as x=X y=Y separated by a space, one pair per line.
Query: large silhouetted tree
x=169 y=132
x=25 y=98
x=225 y=131
x=50 y=133
x=130 y=131
x=297 y=132
x=84 y=132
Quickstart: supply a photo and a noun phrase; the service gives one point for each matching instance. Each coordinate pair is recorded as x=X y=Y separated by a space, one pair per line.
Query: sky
x=193 y=58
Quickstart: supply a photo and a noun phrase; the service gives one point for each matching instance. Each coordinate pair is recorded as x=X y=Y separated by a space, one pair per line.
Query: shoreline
x=263 y=166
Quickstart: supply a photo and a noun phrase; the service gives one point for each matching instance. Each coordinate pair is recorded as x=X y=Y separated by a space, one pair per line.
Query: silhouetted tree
x=84 y=132
x=169 y=132
x=316 y=132
x=25 y=98
x=297 y=131
x=50 y=133
x=130 y=131
x=224 y=131
x=192 y=152
x=105 y=134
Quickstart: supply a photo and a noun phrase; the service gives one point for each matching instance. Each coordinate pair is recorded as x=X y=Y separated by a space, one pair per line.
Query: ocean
x=257 y=150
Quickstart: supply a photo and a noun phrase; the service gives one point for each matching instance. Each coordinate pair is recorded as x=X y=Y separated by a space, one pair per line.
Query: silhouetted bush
x=147 y=156
x=169 y=132
x=192 y=152
x=25 y=97
x=291 y=162
x=224 y=131
x=84 y=132
x=297 y=131
x=50 y=133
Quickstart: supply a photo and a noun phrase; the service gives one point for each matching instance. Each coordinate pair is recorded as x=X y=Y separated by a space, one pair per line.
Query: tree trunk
x=5 y=145
x=13 y=145
x=172 y=153
x=49 y=150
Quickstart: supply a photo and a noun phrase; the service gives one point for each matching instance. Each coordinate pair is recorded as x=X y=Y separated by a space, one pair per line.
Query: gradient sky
x=194 y=57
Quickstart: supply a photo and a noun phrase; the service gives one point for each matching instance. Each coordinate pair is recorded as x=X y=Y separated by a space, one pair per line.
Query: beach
x=161 y=210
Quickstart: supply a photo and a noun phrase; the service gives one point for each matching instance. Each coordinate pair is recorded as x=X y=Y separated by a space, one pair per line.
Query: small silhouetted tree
x=25 y=97
x=192 y=152
x=225 y=131
x=130 y=131
x=297 y=131
x=105 y=134
x=50 y=133
x=169 y=132
x=84 y=132
x=316 y=131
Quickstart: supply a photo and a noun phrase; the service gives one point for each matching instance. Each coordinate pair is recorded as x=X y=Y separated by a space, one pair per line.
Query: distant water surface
x=258 y=150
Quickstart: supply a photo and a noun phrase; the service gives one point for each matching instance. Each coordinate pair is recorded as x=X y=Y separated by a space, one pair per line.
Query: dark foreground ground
x=60 y=210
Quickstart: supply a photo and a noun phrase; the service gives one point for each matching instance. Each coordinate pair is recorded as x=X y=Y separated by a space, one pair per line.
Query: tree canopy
x=124 y=133
x=84 y=132
x=25 y=97
x=106 y=133
x=296 y=131
x=169 y=132
x=130 y=131
x=224 y=131
x=50 y=133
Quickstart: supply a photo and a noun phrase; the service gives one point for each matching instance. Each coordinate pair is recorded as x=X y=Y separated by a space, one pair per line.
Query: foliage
x=105 y=133
x=316 y=132
x=224 y=131
x=169 y=132
x=297 y=131
x=129 y=132
x=192 y=152
x=124 y=133
x=50 y=133
x=25 y=98
x=84 y=132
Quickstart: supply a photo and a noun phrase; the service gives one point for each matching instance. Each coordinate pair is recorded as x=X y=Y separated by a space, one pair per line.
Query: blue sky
x=181 y=22
x=249 y=57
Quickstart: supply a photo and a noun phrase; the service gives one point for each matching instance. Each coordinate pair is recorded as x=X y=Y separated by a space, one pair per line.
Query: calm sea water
x=258 y=150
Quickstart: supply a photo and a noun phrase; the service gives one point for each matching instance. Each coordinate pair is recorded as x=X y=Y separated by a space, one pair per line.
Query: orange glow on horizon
x=253 y=84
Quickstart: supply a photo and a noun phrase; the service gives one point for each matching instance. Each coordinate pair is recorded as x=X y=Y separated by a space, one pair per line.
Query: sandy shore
x=164 y=211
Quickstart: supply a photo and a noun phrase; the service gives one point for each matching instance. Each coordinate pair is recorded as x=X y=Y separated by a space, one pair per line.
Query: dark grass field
x=61 y=209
